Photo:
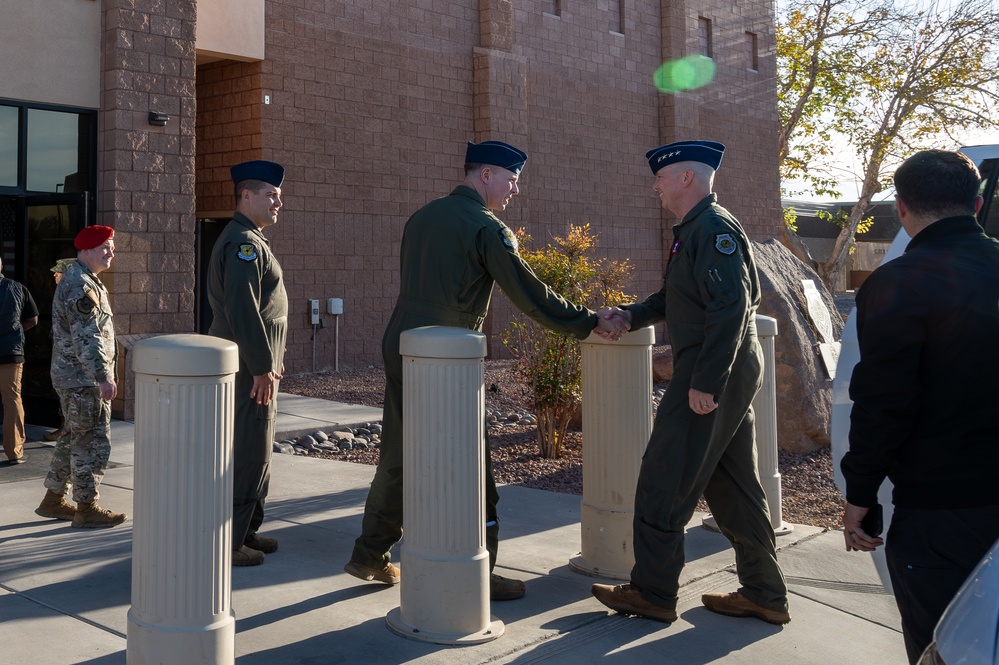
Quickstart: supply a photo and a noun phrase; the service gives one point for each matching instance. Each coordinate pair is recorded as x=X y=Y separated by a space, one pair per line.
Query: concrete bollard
x=617 y=422
x=765 y=408
x=444 y=594
x=181 y=609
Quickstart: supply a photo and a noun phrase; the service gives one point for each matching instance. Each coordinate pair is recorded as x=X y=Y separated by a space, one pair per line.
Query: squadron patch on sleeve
x=247 y=253
x=86 y=305
x=509 y=239
x=725 y=244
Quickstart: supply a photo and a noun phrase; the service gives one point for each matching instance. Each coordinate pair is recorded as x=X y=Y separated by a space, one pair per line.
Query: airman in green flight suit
x=703 y=439
x=453 y=250
x=250 y=307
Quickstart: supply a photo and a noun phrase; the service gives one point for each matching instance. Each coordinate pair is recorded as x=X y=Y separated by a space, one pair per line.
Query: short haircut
x=252 y=185
x=702 y=171
x=938 y=182
x=472 y=166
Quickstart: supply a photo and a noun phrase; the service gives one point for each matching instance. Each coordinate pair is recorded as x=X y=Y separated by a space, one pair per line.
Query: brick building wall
x=228 y=129
x=146 y=181
x=369 y=106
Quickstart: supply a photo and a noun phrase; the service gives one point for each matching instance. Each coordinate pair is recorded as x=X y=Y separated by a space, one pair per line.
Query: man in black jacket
x=924 y=393
x=17 y=314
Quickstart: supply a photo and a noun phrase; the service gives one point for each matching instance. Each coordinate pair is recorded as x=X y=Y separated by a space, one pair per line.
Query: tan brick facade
x=369 y=105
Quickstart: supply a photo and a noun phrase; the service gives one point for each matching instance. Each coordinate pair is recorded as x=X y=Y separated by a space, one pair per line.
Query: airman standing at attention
x=250 y=307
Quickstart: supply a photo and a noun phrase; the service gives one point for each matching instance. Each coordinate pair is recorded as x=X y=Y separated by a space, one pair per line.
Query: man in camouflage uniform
x=703 y=440
x=58 y=270
x=84 y=353
x=453 y=250
x=250 y=307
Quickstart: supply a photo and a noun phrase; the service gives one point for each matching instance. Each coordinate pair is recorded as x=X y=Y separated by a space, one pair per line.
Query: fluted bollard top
x=442 y=342
x=642 y=337
x=766 y=326
x=185 y=355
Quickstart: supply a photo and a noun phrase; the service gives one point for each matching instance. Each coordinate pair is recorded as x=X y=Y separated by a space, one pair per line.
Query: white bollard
x=765 y=409
x=617 y=423
x=182 y=526
x=444 y=593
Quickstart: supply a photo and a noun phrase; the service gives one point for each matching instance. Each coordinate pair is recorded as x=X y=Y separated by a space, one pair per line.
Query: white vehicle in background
x=968 y=632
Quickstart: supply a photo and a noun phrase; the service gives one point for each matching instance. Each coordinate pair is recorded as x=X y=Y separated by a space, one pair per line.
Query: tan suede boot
x=92 y=516
x=54 y=505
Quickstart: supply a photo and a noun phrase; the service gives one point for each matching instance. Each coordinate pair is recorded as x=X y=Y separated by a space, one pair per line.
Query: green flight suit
x=709 y=298
x=250 y=307
x=453 y=250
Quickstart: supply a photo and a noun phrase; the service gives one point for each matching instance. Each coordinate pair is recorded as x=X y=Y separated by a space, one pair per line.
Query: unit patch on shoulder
x=725 y=244
x=247 y=253
x=86 y=305
x=509 y=239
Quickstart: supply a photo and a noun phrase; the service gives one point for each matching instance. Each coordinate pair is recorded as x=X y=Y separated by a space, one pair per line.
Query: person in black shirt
x=924 y=394
x=18 y=313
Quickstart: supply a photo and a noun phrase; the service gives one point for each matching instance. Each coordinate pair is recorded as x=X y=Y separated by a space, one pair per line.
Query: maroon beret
x=93 y=236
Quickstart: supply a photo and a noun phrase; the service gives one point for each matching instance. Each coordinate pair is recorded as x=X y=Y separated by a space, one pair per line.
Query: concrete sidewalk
x=64 y=592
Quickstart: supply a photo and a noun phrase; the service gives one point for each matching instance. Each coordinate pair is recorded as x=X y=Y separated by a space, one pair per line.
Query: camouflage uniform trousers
x=82 y=452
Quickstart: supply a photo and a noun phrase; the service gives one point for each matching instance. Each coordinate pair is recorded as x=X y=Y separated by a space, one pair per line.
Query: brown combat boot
x=247 y=556
x=262 y=544
x=54 y=505
x=387 y=575
x=92 y=516
x=734 y=604
x=626 y=599
x=504 y=588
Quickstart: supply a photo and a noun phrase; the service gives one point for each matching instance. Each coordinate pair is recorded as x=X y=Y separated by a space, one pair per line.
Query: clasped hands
x=612 y=322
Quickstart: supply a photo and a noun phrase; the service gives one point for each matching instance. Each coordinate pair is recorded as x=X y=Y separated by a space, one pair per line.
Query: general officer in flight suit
x=703 y=440
x=250 y=307
x=453 y=250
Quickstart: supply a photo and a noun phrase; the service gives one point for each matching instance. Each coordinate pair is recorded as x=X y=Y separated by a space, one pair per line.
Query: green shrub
x=548 y=363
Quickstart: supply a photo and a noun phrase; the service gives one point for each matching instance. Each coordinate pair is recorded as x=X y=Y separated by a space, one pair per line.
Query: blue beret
x=496 y=153
x=706 y=152
x=258 y=169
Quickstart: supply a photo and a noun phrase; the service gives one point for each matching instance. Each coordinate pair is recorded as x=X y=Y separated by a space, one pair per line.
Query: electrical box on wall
x=314 y=311
x=335 y=306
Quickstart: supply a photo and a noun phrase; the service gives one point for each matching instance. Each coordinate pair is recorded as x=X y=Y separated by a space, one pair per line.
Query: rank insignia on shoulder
x=247 y=253
x=509 y=239
x=725 y=244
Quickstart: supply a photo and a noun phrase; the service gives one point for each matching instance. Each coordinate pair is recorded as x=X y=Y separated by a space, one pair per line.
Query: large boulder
x=804 y=389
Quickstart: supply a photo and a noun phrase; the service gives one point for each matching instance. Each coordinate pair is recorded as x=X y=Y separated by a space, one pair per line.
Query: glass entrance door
x=36 y=231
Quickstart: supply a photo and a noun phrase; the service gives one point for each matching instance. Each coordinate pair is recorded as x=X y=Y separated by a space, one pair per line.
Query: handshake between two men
x=612 y=322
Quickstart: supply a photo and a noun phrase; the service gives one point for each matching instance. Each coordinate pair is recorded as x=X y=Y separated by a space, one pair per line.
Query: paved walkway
x=65 y=593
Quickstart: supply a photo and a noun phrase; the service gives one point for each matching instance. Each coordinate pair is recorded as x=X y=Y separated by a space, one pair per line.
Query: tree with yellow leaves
x=887 y=78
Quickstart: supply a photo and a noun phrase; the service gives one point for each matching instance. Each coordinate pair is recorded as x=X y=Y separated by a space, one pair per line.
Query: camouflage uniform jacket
x=83 y=340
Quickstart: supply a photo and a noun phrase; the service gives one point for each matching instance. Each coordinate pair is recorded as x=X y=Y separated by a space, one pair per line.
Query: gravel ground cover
x=809 y=494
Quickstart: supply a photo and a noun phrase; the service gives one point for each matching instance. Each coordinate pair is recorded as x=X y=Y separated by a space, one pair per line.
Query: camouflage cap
x=61 y=265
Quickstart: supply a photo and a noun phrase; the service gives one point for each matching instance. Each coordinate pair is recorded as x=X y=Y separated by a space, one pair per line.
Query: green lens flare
x=687 y=73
